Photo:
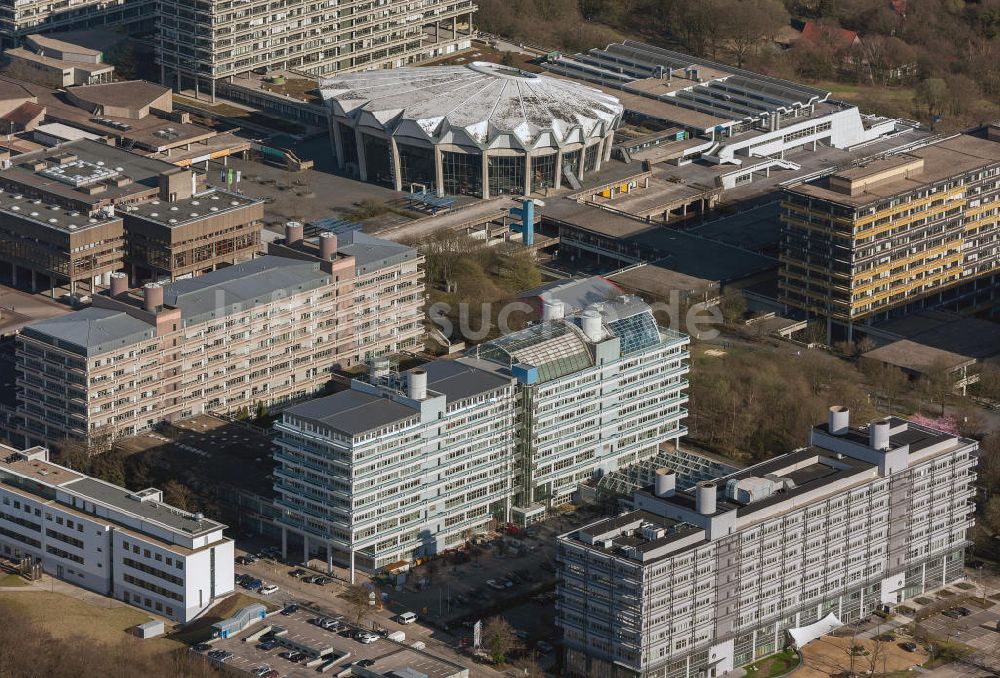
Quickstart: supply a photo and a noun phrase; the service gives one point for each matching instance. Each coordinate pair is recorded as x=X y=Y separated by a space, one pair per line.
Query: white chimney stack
x=666 y=482
x=839 y=420
x=416 y=382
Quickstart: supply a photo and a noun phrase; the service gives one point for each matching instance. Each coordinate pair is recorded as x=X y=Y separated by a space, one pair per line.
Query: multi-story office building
x=402 y=466
x=198 y=45
x=267 y=330
x=19 y=18
x=397 y=467
x=93 y=208
x=126 y=545
x=702 y=581
x=914 y=230
x=598 y=391
x=388 y=285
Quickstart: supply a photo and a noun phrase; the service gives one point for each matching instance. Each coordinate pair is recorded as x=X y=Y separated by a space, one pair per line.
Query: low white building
x=127 y=545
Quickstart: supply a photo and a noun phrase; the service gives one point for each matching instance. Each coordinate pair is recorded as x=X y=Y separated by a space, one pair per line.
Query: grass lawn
x=200 y=630
x=12 y=580
x=66 y=617
x=775 y=665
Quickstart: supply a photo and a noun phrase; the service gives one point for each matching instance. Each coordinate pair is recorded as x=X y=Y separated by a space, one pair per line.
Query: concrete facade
x=910 y=231
x=196 y=47
x=125 y=545
x=702 y=581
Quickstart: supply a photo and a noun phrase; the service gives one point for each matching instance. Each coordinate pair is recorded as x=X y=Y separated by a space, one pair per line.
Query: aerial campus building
x=73 y=215
x=267 y=330
x=910 y=231
x=480 y=129
x=705 y=580
x=403 y=465
x=197 y=48
x=730 y=115
x=126 y=545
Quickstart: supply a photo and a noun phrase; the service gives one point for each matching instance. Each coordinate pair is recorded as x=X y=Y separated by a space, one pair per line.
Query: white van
x=406 y=618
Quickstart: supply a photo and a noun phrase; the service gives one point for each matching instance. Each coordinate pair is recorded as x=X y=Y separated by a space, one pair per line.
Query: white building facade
x=129 y=546
x=407 y=465
x=700 y=582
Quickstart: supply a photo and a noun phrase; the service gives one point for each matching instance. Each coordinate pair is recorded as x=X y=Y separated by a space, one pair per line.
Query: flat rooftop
x=941 y=340
x=694 y=259
x=99 y=492
x=245 y=285
x=48 y=215
x=143 y=172
x=190 y=210
x=353 y=412
x=461 y=379
x=942 y=160
x=91 y=331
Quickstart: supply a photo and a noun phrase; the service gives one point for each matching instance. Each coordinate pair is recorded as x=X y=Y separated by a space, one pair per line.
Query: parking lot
x=384 y=654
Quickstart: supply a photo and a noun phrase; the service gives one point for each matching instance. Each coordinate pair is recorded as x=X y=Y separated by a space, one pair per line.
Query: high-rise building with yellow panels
x=909 y=231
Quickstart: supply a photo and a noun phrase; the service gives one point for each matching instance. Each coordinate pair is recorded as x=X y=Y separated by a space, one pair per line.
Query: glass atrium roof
x=636 y=332
x=554 y=348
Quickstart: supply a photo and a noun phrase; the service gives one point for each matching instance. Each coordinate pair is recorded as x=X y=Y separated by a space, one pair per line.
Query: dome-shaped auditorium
x=481 y=129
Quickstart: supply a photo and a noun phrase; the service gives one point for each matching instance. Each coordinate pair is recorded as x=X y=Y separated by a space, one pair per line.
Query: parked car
x=909 y=647
x=494 y=584
x=261 y=670
x=366 y=637
x=268 y=589
x=521 y=633
x=310 y=578
x=272 y=674
x=322 y=581
x=253 y=584
x=291 y=655
x=244 y=560
x=266 y=645
x=328 y=624
x=952 y=613
x=297 y=572
x=406 y=618
x=202 y=647
x=366 y=662
x=964 y=611
x=220 y=655
x=290 y=609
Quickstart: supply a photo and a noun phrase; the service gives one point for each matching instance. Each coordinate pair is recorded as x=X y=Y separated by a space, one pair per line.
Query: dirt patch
x=828 y=656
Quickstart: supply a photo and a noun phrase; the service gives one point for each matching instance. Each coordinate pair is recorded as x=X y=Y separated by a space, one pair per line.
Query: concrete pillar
x=486 y=176
x=470 y=24
x=437 y=32
x=600 y=157
x=338 y=141
x=362 y=161
x=213 y=90
x=305 y=548
x=329 y=558
x=163 y=73
x=196 y=91
x=351 y=575
x=439 y=172
x=284 y=543
x=397 y=169
x=179 y=83
x=558 y=182
x=527 y=175
x=608 y=143
x=34 y=280
x=13 y=275
x=454 y=28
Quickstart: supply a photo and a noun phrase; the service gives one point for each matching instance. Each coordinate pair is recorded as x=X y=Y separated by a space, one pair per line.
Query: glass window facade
x=571 y=161
x=378 y=160
x=349 y=143
x=416 y=166
x=543 y=172
x=463 y=173
x=590 y=158
x=506 y=175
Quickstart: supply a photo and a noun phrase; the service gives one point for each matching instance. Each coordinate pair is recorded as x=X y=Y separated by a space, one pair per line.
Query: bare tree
x=499 y=639
x=359 y=602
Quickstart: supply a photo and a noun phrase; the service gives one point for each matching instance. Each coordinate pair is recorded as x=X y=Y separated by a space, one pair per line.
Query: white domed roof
x=481 y=103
